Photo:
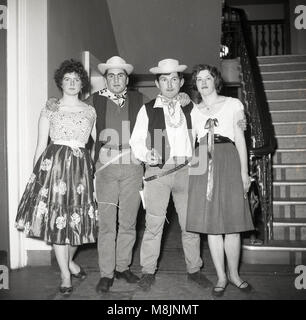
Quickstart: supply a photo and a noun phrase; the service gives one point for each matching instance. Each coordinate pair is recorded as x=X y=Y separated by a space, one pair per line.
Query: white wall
x=75 y=26
x=27 y=93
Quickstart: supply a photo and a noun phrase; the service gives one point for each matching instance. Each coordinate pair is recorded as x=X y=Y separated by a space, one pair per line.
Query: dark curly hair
x=215 y=73
x=69 y=66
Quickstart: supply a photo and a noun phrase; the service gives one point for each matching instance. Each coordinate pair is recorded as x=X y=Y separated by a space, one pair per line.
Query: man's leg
x=190 y=240
x=107 y=194
x=156 y=194
x=129 y=201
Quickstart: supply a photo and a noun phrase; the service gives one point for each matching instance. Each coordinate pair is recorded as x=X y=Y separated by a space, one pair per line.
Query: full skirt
x=58 y=204
x=228 y=211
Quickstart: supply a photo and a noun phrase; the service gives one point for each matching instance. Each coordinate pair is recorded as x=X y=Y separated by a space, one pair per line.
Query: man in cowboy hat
x=118 y=174
x=161 y=138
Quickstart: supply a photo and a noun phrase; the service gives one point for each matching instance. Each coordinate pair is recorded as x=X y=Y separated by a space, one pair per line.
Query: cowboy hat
x=115 y=62
x=168 y=66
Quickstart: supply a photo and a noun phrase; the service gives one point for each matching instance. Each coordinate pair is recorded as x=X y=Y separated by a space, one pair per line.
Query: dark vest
x=157 y=121
x=135 y=102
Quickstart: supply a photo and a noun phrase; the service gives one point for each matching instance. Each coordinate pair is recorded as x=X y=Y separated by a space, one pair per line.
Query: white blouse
x=230 y=113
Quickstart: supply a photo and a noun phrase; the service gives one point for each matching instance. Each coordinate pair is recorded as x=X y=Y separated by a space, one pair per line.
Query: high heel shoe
x=246 y=289
x=66 y=291
x=218 y=293
x=80 y=275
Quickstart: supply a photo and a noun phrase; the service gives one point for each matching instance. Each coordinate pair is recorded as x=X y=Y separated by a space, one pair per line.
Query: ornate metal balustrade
x=260 y=138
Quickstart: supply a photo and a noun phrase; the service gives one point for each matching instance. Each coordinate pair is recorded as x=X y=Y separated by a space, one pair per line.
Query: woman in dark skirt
x=217 y=203
x=58 y=205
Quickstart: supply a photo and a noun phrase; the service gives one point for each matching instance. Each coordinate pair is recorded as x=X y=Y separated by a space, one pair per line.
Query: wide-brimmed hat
x=168 y=66
x=115 y=62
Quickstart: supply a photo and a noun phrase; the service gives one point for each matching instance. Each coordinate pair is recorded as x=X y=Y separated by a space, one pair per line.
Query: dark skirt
x=228 y=211
x=57 y=205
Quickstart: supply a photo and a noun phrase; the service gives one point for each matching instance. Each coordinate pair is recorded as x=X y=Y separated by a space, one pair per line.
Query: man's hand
x=52 y=104
x=242 y=123
x=152 y=157
x=184 y=99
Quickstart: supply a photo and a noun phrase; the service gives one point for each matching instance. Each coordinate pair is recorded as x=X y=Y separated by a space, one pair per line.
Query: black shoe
x=127 y=275
x=200 y=279
x=104 y=284
x=218 y=291
x=146 y=281
x=66 y=291
x=246 y=289
x=81 y=275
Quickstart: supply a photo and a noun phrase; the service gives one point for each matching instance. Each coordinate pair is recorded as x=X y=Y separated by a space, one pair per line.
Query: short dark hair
x=216 y=74
x=157 y=76
x=70 y=66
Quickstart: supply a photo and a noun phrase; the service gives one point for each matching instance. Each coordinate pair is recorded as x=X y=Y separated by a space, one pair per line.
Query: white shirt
x=176 y=127
x=230 y=113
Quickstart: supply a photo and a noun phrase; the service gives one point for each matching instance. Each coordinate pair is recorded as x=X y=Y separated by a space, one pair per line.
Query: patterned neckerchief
x=118 y=99
x=170 y=103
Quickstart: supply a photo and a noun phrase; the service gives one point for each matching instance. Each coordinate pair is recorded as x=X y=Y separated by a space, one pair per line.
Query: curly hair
x=69 y=66
x=215 y=73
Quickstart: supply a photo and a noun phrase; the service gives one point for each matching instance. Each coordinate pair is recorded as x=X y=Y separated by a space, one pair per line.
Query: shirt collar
x=159 y=103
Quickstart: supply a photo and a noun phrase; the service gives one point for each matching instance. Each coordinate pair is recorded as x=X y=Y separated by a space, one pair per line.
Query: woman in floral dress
x=58 y=204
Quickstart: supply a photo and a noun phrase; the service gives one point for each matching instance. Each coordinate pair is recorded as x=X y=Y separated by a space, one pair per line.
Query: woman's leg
x=216 y=246
x=73 y=267
x=62 y=257
x=232 y=247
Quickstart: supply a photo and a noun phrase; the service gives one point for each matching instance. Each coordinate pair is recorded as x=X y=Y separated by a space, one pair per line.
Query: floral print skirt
x=58 y=204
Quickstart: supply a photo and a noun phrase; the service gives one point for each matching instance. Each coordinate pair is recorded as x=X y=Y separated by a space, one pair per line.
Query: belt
x=156 y=176
x=70 y=143
x=221 y=139
x=119 y=147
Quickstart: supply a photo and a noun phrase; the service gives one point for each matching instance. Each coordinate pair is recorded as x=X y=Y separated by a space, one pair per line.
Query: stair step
x=288 y=208
x=289 y=156
x=285 y=84
x=287 y=104
x=284 y=75
x=275 y=252
x=291 y=141
x=281 y=94
x=289 y=229
x=291 y=172
x=281 y=58
x=288 y=128
x=289 y=189
x=288 y=115
x=286 y=66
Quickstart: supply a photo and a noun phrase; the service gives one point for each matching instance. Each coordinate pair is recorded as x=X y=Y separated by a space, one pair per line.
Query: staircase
x=284 y=80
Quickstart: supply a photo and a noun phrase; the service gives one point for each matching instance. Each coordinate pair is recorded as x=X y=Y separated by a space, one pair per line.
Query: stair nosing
x=284 y=80
x=280 y=136
x=280 y=123
x=282 y=64
x=291 y=150
x=287 y=110
x=289 y=183
x=286 y=100
x=278 y=72
x=281 y=90
x=290 y=165
x=272 y=248
x=283 y=55
x=288 y=202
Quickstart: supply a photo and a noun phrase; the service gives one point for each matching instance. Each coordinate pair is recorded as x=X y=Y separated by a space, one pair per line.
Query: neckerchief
x=170 y=103
x=119 y=99
x=210 y=125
